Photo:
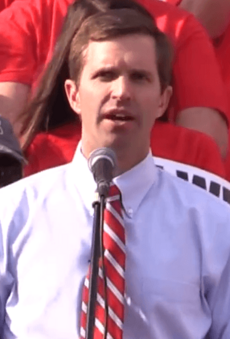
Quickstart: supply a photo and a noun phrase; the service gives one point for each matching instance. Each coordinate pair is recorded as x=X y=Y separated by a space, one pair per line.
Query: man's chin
x=118 y=126
x=116 y=143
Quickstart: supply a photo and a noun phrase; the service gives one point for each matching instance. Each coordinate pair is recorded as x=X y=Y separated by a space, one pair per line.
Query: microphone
x=102 y=163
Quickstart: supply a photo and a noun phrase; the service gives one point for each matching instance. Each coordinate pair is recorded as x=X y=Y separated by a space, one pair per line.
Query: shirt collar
x=133 y=184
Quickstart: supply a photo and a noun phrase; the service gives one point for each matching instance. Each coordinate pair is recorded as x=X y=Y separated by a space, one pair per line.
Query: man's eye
x=138 y=76
x=107 y=76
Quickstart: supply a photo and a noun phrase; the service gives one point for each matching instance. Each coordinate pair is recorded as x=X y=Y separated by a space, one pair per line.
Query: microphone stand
x=99 y=205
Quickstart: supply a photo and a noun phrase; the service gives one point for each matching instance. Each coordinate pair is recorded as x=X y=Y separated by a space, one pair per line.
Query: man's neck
x=125 y=158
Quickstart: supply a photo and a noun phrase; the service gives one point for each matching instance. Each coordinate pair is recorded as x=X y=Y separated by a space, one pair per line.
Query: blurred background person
x=214 y=15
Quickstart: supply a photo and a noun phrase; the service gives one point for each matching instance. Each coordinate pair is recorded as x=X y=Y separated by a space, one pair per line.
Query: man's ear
x=72 y=94
x=165 y=97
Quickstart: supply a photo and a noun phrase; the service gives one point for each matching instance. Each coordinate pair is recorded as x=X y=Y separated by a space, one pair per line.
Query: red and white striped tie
x=114 y=261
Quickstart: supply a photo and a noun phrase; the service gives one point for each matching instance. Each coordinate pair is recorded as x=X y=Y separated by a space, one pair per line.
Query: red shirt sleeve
x=222 y=49
x=173 y=2
x=17 y=37
x=28 y=32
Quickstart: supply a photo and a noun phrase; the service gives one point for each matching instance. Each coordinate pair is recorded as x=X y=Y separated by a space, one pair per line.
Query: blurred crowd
x=39 y=131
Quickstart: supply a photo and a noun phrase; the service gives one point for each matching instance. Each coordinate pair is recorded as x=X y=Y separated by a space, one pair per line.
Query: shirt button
x=130 y=212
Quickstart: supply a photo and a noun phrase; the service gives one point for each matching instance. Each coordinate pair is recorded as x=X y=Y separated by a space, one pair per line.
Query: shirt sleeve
x=18 y=39
x=196 y=76
x=28 y=33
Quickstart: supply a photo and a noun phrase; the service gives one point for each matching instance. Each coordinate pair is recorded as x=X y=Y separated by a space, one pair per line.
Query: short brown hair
x=115 y=23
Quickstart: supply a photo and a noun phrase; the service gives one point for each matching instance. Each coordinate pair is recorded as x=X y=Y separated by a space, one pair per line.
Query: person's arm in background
x=208 y=121
x=199 y=101
x=25 y=49
x=186 y=146
x=13 y=95
x=214 y=15
x=16 y=36
x=13 y=98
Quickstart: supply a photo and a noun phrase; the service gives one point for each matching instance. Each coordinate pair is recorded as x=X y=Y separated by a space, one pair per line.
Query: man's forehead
x=131 y=49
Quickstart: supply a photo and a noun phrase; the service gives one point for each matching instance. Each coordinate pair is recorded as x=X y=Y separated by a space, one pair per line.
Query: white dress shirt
x=177 y=265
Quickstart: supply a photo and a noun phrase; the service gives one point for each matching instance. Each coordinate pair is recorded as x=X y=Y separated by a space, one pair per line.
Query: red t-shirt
x=173 y=2
x=28 y=33
x=222 y=49
x=167 y=141
x=29 y=29
x=4 y=4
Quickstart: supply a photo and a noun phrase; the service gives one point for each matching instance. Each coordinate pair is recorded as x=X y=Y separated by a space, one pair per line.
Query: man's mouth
x=118 y=116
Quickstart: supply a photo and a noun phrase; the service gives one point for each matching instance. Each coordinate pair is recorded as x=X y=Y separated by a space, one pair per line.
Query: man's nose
x=122 y=89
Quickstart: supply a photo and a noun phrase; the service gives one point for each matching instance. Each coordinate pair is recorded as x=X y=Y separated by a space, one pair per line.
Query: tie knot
x=114 y=192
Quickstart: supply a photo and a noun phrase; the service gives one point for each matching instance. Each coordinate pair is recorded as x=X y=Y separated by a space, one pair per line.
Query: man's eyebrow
x=103 y=69
x=115 y=69
x=142 y=71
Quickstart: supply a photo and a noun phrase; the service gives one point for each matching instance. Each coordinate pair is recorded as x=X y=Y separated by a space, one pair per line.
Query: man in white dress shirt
x=177 y=235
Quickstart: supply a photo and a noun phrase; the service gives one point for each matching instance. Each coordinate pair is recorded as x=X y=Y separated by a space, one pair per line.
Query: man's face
x=118 y=96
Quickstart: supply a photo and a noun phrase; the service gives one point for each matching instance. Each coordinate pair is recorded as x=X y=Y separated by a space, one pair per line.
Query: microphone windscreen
x=102 y=163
